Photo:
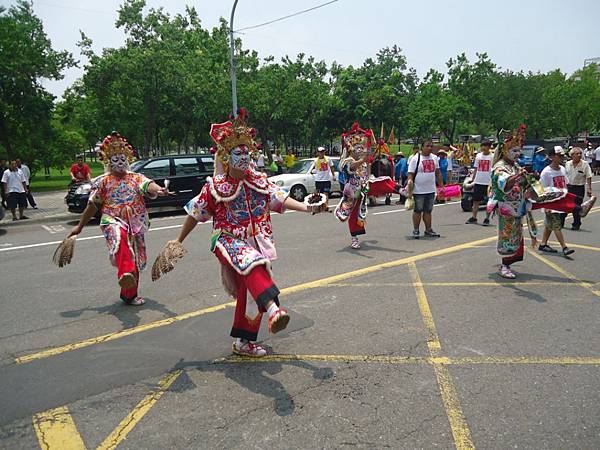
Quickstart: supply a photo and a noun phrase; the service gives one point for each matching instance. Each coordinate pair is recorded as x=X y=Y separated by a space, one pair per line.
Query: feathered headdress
x=115 y=144
x=231 y=134
x=357 y=136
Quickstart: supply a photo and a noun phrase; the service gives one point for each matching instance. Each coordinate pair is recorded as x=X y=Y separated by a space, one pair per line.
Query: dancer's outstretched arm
x=189 y=224
x=88 y=213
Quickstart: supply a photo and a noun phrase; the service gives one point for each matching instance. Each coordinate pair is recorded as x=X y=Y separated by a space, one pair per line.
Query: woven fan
x=172 y=252
x=64 y=252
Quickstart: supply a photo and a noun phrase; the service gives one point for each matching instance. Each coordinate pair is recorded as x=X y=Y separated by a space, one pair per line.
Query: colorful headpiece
x=233 y=133
x=357 y=136
x=115 y=144
x=517 y=139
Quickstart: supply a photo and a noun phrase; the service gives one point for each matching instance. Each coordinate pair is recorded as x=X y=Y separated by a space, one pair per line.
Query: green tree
x=26 y=58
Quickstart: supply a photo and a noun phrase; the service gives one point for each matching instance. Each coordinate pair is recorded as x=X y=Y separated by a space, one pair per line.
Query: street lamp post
x=232 y=63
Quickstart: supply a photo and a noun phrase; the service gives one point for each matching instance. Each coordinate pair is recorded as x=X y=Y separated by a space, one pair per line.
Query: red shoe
x=278 y=320
x=249 y=349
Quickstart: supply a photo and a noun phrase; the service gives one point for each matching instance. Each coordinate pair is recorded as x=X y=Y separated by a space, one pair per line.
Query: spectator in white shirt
x=579 y=175
x=423 y=172
x=481 y=179
x=554 y=175
x=27 y=175
x=13 y=185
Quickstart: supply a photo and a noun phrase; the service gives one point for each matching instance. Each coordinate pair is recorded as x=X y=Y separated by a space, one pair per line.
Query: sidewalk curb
x=51 y=218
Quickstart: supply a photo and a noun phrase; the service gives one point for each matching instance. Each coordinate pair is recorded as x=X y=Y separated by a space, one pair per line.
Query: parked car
x=186 y=174
x=300 y=179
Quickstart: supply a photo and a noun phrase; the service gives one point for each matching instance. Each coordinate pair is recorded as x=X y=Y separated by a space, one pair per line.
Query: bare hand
x=163 y=192
x=75 y=231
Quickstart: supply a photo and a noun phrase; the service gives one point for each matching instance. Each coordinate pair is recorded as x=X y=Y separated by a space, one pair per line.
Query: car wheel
x=298 y=192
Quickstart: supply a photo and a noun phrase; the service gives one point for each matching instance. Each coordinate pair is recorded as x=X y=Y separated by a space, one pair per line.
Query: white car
x=300 y=179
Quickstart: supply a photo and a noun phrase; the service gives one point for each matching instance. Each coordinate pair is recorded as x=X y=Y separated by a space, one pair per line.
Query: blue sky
x=526 y=35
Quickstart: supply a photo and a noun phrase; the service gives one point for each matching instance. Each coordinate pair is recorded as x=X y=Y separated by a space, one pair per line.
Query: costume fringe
x=64 y=252
x=172 y=252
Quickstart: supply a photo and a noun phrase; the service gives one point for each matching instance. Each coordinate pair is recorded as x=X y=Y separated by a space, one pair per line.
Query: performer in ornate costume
x=516 y=193
x=382 y=165
x=354 y=163
x=119 y=195
x=239 y=200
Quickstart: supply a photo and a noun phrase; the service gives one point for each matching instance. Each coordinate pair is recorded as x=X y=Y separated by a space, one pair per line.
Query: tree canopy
x=170 y=80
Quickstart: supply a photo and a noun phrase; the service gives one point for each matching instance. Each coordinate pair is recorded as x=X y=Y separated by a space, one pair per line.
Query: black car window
x=208 y=162
x=157 y=169
x=186 y=166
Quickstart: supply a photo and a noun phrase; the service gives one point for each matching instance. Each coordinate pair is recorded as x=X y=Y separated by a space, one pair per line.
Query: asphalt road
x=403 y=344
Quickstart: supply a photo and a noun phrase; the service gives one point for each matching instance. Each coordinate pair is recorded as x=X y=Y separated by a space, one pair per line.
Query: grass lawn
x=59 y=179
x=404 y=148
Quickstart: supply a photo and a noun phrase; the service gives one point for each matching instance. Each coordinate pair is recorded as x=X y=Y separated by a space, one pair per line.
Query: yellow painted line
x=433 y=342
x=584 y=247
x=532 y=360
x=285 y=291
x=443 y=360
x=119 y=334
x=132 y=419
x=456 y=418
x=583 y=284
x=455 y=284
x=384 y=359
x=56 y=430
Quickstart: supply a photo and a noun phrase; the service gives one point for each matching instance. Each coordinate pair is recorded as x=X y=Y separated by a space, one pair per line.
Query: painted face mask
x=119 y=163
x=513 y=153
x=359 y=151
x=240 y=158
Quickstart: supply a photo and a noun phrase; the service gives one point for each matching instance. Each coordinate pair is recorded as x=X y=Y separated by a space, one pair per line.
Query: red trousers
x=356 y=228
x=126 y=264
x=262 y=289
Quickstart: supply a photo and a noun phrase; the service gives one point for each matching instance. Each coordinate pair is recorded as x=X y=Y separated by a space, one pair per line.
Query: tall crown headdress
x=517 y=139
x=229 y=135
x=357 y=136
x=115 y=144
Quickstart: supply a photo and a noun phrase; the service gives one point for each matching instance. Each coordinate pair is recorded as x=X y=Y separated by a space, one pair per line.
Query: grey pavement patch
x=51 y=382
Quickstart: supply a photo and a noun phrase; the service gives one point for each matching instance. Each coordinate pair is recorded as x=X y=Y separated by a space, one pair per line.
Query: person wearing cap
x=482 y=177
x=324 y=172
x=554 y=175
x=579 y=176
x=539 y=160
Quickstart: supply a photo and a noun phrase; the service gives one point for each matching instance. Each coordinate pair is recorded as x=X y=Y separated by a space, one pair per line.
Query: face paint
x=240 y=158
x=119 y=163
x=513 y=153
x=359 y=151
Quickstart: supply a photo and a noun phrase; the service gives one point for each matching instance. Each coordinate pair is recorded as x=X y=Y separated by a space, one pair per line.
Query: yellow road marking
x=584 y=247
x=458 y=423
x=433 y=342
x=56 y=430
x=132 y=419
x=443 y=360
x=119 y=334
x=455 y=284
x=285 y=291
x=583 y=284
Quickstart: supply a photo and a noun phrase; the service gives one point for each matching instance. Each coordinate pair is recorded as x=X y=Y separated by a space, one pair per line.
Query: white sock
x=272 y=309
x=239 y=342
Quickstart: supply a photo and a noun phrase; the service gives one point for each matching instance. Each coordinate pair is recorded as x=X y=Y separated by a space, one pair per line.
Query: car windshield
x=301 y=166
x=136 y=165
